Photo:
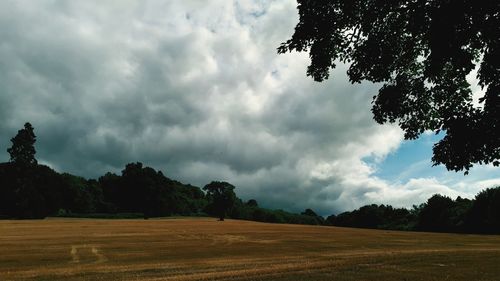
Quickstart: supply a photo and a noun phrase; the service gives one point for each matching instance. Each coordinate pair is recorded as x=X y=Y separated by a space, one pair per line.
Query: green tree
x=23 y=150
x=252 y=203
x=145 y=190
x=309 y=212
x=30 y=186
x=484 y=215
x=436 y=214
x=222 y=197
x=422 y=51
x=331 y=219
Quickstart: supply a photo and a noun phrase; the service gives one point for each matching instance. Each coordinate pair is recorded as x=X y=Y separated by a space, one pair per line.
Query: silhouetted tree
x=192 y=196
x=484 y=215
x=369 y=216
x=435 y=215
x=422 y=51
x=82 y=195
x=375 y=216
x=30 y=187
x=331 y=219
x=221 y=196
x=458 y=214
x=110 y=185
x=30 y=192
x=252 y=203
x=309 y=212
x=23 y=150
x=143 y=190
x=148 y=191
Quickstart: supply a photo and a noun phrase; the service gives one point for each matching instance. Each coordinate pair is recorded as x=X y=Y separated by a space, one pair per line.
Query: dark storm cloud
x=196 y=90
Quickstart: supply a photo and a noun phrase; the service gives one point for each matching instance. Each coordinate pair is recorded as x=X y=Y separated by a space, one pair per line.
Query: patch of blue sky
x=412 y=160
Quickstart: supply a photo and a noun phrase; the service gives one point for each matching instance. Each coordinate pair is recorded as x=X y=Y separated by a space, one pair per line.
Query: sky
x=197 y=90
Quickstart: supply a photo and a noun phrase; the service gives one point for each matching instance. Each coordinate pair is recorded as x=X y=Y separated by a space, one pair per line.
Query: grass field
x=204 y=249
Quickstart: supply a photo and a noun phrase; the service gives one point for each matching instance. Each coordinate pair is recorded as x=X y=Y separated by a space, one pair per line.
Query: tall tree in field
x=23 y=147
x=25 y=181
x=422 y=51
x=222 y=197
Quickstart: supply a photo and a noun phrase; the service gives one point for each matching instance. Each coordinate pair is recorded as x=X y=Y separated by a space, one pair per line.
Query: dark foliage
x=442 y=214
x=422 y=52
x=309 y=212
x=23 y=150
x=252 y=203
x=32 y=191
x=29 y=191
x=375 y=216
x=38 y=191
x=221 y=197
x=484 y=215
x=143 y=190
x=246 y=211
x=438 y=214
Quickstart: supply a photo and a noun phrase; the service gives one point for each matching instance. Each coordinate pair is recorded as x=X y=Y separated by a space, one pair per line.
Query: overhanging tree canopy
x=422 y=51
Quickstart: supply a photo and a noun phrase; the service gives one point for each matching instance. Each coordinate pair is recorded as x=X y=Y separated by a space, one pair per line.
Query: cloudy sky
x=197 y=90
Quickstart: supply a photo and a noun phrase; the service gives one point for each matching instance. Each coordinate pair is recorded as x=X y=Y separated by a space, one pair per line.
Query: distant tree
x=23 y=150
x=436 y=214
x=110 y=184
x=422 y=52
x=148 y=191
x=193 y=197
x=309 y=212
x=330 y=220
x=484 y=215
x=369 y=216
x=134 y=187
x=50 y=185
x=141 y=189
x=30 y=192
x=319 y=220
x=82 y=195
x=252 y=203
x=459 y=213
x=375 y=216
x=7 y=189
x=222 y=197
x=33 y=190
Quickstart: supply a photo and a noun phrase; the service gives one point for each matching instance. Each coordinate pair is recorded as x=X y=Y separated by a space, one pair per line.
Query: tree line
x=29 y=190
x=439 y=214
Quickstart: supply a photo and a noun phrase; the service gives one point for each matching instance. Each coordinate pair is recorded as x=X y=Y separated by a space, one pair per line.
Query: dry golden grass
x=205 y=249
